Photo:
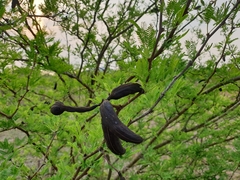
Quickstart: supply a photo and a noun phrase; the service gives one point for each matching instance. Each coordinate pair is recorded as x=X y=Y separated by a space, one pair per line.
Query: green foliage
x=188 y=115
x=2 y=8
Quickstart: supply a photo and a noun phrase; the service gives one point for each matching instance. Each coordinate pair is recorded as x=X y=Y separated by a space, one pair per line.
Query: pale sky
x=53 y=27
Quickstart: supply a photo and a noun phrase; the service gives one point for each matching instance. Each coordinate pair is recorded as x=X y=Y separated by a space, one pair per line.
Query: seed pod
x=111 y=120
x=113 y=142
x=124 y=90
x=124 y=133
x=58 y=108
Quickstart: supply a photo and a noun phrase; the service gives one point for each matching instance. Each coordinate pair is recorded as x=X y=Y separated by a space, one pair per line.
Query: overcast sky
x=55 y=28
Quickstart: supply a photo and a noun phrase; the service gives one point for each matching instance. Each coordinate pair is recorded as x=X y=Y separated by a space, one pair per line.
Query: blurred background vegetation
x=184 y=54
